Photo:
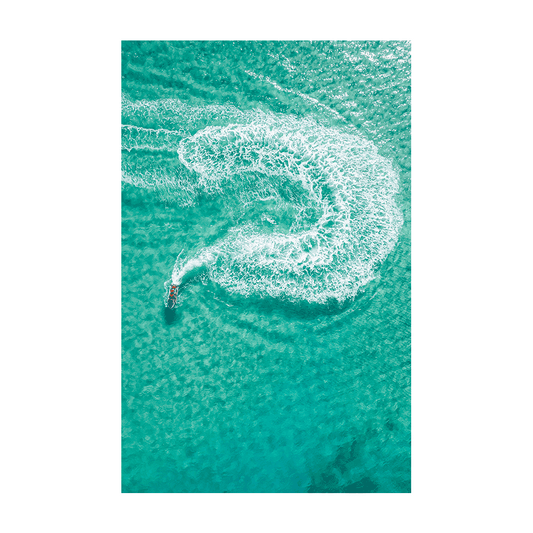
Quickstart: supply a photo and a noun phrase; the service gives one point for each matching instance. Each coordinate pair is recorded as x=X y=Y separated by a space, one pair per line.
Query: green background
x=480 y=258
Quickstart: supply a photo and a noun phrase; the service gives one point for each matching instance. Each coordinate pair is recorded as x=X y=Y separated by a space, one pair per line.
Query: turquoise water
x=271 y=182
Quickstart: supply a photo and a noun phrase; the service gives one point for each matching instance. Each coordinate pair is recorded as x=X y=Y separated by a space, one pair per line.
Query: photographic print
x=266 y=266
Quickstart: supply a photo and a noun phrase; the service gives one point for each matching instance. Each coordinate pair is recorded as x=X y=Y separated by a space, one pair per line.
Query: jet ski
x=172 y=297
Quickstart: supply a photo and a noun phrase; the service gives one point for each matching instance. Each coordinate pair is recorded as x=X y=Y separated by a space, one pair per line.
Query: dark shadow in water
x=364 y=485
x=170 y=315
x=336 y=476
x=331 y=478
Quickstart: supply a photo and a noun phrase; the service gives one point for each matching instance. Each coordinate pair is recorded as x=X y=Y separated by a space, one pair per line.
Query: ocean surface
x=271 y=181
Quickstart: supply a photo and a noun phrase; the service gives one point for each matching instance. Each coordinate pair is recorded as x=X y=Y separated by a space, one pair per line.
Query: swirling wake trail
x=340 y=189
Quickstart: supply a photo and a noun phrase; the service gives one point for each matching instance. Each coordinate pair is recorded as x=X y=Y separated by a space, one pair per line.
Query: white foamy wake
x=342 y=191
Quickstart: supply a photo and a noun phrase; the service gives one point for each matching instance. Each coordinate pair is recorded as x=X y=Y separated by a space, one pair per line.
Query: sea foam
x=340 y=189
